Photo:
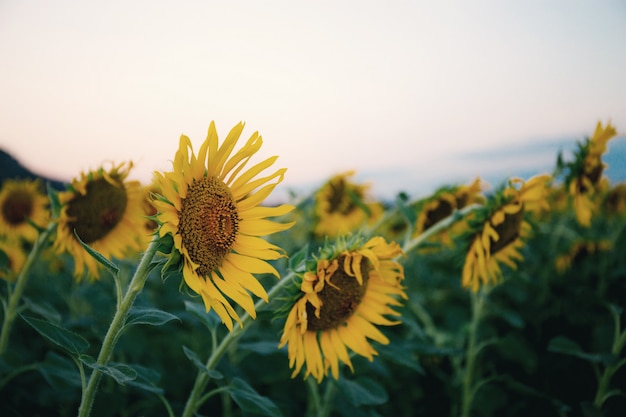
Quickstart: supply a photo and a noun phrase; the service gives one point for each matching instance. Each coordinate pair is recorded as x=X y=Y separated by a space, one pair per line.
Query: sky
x=400 y=91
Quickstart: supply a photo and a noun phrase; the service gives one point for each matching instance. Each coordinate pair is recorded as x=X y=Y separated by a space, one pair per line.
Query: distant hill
x=11 y=169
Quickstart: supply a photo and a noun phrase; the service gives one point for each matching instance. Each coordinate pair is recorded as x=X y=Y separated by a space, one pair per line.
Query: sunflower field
x=191 y=296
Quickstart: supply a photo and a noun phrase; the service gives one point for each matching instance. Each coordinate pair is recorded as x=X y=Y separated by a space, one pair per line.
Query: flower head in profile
x=12 y=258
x=580 y=249
x=341 y=206
x=22 y=202
x=105 y=210
x=497 y=231
x=338 y=301
x=615 y=200
x=442 y=204
x=583 y=179
x=210 y=207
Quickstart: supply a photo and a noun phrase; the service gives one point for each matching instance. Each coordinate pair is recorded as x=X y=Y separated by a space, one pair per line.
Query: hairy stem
x=117 y=324
x=11 y=309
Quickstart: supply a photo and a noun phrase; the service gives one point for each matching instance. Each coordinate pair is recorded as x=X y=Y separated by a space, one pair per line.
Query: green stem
x=478 y=302
x=438 y=227
x=202 y=378
x=314 y=404
x=328 y=397
x=605 y=380
x=117 y=324
x=427 y=322
x=14 y=297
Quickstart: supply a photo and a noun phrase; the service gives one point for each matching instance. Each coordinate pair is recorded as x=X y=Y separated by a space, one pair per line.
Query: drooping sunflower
x=210 y=207
x=584 y=180
x=580 y=249
x=21 y=202
x=12 y=258
x=105 y=210
x=338 y=301
x=615 y=200
x=442 y=204
x=497 y=231
x=342 y=206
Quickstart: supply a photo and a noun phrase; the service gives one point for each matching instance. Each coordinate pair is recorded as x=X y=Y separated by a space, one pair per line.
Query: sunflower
x=22 y=202
x=580 y=249
x=584 y=180
x=12 y=258
x=105 y=210
x=341 y=207
x=498 y=230
x=615 y=200
x=442 y=204
x=210 y=209
x=337 y=302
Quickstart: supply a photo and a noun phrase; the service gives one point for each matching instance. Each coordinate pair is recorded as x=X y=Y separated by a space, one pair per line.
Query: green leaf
x=510 y=316
x=401 y=354
x=209 y=319
x=59 y=370
x=567 y=346
x=146 y=379
x=251 y=401
x=516 y=349
x=431 y=350
x=120 y=372
x=110 y=266
x=261 y=347
x=63 y=338
x=363 y=391
x=55 y=204
x=408 y=213
x=150 y=316
x=212 y=373
x=297 y=261
x=43 y=309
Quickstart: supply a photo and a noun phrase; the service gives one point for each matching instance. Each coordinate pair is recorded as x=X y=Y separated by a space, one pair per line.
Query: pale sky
x=375 y=86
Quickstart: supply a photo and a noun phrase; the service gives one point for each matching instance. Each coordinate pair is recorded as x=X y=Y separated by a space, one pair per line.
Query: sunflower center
x=443 y=210
x=17 y=207
x=593 y=168
x=339 y=199
x=508 y=230
x=209 y=222
x=340 y=300
x=98 y=211
x=462 y=200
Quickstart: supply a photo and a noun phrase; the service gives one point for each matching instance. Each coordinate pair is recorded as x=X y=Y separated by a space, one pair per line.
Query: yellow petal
x=244 y=190
x=245 y=245
x=252 y=265
x=241 y=157
x=223 y=153
x=261 y=227
x=262 y=211
x=252 y=172
x=242 y=278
